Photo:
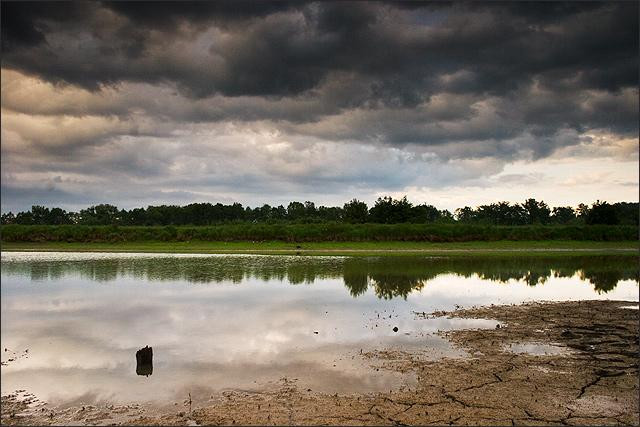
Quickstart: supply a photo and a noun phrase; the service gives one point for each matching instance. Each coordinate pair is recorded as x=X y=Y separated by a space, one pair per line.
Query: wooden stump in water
x=144 y=361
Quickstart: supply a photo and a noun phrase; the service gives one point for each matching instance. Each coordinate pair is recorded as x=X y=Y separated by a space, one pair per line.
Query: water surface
x=219 y=322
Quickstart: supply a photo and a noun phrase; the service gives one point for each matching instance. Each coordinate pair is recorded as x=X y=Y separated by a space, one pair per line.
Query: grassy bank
x=332 y=238
x=500 y=248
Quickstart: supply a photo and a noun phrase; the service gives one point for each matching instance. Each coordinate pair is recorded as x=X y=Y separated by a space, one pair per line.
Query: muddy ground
x=588 y=376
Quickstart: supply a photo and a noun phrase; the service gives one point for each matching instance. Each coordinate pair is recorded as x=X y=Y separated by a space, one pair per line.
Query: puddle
x=548 y=370
x=629 y=307
x=72 y=323
x=536 y=349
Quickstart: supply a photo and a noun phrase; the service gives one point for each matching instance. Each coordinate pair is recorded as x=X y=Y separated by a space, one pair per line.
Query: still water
x=73 y=322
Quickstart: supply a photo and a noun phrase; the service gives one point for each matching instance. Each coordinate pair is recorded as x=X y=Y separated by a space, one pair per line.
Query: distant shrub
x=318 y=232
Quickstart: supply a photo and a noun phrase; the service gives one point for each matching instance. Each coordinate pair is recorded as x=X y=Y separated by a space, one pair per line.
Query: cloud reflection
x=219 y=322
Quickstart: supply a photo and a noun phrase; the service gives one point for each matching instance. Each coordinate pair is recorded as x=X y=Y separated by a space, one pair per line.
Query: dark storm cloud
x=167 y=14
x=372 y=67
x=23 y=24
x=296 y=44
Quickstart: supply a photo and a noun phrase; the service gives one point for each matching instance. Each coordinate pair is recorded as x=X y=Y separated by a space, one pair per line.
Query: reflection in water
x=261 y=318
x=144 y=361
x=389 y=277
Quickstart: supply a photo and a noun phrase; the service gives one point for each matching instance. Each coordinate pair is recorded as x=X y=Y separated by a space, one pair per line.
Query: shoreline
x=496 y=248
x=589 y=377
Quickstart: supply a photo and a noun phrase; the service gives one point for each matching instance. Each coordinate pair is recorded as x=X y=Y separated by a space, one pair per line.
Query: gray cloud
x=302 y=62
x=279 y=49
x=197 y=99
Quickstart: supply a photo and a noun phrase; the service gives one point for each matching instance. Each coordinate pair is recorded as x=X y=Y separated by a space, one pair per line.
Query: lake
x=73 y=322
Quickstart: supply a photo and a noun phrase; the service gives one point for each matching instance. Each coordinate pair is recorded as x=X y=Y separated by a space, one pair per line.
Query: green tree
x=465 y=214
x=58 y=216
x=563 y=215
x=446 y=216
x=263 y=213
x=425 y=213
x=602 y=213
x=8 y=218
x=355 y=211
x=332 y=213
x=103 y=214
x=310 y=210
x=389 y=211
x=279 y=213
x=627 y=213
x=582 y=211
x=536 y=212
x=39 y=214
x=296 y=211
x=501 y=213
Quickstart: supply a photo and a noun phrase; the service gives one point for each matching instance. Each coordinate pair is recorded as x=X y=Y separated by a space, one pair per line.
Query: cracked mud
x=593 y=380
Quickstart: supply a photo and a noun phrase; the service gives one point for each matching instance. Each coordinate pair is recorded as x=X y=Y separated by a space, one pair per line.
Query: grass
x=500 y=248
x=327 y=238
x=323 y=232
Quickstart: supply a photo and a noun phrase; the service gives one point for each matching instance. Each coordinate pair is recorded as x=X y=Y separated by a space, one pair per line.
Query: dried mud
x=591 y=380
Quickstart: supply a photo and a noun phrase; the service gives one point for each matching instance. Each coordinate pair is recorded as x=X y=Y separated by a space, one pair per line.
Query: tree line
x=386 y=210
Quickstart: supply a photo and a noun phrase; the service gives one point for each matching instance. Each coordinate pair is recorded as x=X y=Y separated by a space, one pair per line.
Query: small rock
x=315 y=332
x=395 y=329
x=498 y=326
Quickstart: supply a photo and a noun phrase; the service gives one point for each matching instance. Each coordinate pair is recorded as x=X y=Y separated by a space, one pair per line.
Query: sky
x=451 y=104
